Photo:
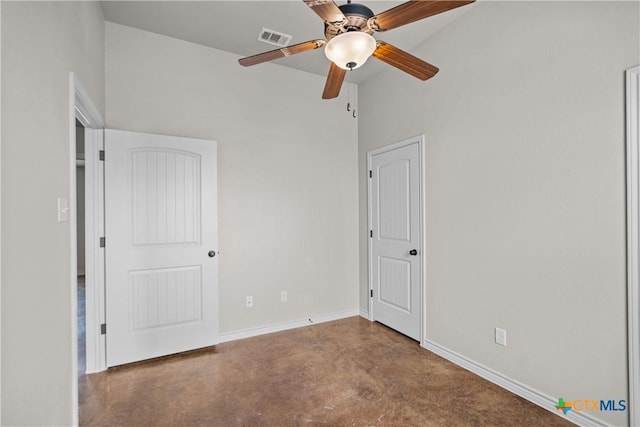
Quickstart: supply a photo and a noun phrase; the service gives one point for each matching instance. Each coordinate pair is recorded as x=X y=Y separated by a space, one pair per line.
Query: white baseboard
x=253 y=332
x=522 y=390
x=364 y=313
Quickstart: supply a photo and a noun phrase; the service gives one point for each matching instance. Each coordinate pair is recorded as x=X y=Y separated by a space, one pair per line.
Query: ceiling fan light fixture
x=350 y=50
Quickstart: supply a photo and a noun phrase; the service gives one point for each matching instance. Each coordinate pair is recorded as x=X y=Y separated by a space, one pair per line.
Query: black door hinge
x=101 y=155
x=370 y=174
x=103 y=329
x=371 y=293
x=102 y=242
x=370 y=233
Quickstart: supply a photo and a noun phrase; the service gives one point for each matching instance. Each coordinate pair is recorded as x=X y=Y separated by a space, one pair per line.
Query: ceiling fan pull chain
x=349 y=96
x=348 y=93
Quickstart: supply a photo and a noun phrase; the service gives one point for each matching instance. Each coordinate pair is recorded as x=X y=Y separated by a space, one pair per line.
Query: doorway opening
x=80 y=233
x=85 y=122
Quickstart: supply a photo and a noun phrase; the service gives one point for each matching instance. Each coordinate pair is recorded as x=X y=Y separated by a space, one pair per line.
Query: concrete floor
x=349 y=372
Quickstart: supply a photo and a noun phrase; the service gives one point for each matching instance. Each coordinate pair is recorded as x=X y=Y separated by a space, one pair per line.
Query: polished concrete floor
x=349 y=372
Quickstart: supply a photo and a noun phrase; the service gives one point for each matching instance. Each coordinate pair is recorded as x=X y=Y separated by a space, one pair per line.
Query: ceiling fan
x=348 y=30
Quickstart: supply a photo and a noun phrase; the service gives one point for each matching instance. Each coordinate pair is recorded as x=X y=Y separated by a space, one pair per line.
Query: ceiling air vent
x=274 y=37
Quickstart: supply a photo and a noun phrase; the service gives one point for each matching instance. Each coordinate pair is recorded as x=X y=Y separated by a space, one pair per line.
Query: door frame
x=419 y=139
x=96 y=346
x=82 y=108
x=633 y=239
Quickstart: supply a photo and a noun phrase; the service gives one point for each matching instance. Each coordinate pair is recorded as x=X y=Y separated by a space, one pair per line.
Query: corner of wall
x=0 y=214
x=37 y=387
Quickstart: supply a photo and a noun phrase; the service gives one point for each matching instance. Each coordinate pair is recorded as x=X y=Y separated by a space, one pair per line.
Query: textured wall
x=41 y=44
x=525 y=188
x=287 y=169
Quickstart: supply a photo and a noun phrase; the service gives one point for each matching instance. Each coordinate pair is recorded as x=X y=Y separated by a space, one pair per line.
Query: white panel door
x=161 y=244
x=396 y=252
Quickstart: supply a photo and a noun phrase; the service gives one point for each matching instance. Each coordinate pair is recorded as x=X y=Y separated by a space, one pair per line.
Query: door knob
x=413 y=252
x=212 y=253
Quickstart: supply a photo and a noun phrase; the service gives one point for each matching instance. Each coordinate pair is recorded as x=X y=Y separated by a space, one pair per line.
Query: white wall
x=525 y=188
x=41 y=44
x=287 y=169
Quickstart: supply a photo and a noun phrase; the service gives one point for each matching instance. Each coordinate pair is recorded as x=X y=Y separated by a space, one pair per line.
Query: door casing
x=420 y=141
x=633 y=240
x=82 y=108
x=94 y=253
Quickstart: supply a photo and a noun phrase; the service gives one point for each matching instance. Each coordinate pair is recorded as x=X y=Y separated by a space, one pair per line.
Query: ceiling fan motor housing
x=357 y=16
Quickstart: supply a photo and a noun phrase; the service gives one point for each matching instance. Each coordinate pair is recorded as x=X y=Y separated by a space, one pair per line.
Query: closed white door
x=161 y=245
x=395 y=237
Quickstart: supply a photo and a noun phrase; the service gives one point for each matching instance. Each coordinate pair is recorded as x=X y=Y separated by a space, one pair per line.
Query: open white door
x=395 y=237
x=161 y=245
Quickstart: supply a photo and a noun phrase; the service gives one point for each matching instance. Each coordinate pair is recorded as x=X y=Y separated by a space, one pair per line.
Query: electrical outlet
x=501 y=337
x=249 y=302
x=283 y=296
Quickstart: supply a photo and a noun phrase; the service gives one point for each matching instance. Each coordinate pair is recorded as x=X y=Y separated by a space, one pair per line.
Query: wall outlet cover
x=501 y=337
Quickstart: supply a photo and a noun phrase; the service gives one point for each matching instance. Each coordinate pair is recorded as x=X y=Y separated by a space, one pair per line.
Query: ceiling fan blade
x=412 y=11
x=404 y=61
x=281 y=53
x=327 y=10
x=334 y=82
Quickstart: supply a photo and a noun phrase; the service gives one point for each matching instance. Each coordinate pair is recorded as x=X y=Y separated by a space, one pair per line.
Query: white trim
x=419 y=139
x=364 y=313
x=0 y=217
x=85 y=110
x=515 y=387
x=73 y=249
x=94 y=255
x=633 y=244
x=81 y=107
x=277 y=327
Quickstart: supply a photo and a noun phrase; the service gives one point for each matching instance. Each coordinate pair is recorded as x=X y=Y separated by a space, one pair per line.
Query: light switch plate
x=501 y=337
x=63 y=209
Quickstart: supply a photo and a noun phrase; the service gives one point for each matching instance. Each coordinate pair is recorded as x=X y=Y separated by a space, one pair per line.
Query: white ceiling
x=233 y=26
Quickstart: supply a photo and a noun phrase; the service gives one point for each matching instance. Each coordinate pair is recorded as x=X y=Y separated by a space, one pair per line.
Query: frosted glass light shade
x=353 y=47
